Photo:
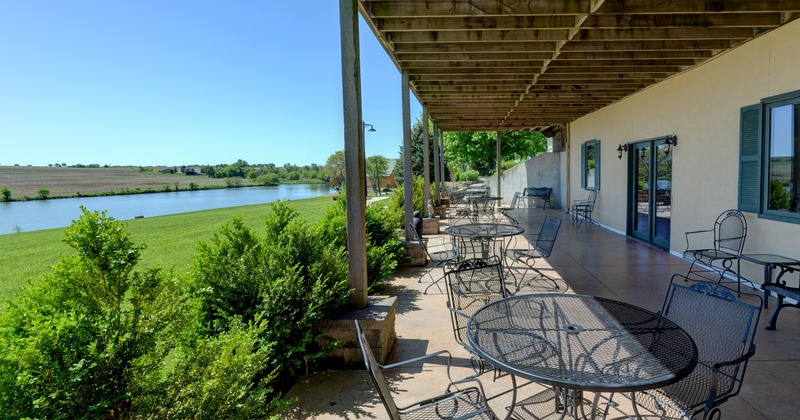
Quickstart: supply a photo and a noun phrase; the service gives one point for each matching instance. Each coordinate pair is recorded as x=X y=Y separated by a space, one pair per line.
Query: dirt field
x=27 y=180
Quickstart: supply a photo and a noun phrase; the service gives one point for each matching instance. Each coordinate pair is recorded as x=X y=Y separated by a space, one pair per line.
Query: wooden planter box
x=416 y=255
x=440 y=212
x=430 y=225
x=377 y=320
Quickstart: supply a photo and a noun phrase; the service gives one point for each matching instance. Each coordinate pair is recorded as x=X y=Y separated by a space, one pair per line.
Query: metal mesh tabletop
x=484 y=230
x=582 y=342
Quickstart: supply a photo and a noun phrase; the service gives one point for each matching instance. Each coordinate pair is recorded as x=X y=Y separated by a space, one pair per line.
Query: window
x=769 y=166
x=590 y=165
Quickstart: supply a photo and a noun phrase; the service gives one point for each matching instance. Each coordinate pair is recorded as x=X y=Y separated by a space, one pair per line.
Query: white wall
x=541 y=171
x=701 y=107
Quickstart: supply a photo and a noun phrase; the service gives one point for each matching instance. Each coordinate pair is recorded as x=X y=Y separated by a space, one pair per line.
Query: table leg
x=767 y=279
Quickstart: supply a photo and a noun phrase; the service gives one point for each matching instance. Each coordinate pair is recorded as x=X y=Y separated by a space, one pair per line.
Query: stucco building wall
x=701 y=107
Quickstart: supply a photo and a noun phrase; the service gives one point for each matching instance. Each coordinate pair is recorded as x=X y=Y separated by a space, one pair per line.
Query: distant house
x=168 y=171
x=386 y=182
x=190 y=171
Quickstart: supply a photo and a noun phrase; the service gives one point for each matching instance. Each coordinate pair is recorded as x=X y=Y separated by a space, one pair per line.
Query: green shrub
x=468 y=175
x=6 y=193
x=219 y=377
x=384 y=248
x=396 y=211
x=86 y=341
x=288 y=279
x=268 y=179
x=42 y=193
x=779 y=197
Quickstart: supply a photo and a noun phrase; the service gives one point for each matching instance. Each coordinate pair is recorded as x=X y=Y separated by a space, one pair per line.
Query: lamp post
x=364 y=137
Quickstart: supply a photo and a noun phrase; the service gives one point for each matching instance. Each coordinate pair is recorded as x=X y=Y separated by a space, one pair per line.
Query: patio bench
x=542 y=193
x=782 y=291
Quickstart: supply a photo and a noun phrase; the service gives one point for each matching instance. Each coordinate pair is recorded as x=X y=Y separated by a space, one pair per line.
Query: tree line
x=467 y=155
x=267 y=173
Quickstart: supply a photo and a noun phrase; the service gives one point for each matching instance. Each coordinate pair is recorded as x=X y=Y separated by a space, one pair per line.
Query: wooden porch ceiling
x=510 y=65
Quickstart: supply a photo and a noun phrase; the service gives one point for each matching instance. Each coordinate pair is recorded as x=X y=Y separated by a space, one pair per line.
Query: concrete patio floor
x=588 y=260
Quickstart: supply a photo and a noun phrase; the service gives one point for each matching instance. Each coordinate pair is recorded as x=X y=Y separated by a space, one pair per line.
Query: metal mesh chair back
x=420 y=241
x=471 y=284
x=375 y=374
x=730 y=231
x=547 y=236
x=514 y=201
x=591 y=200
x=723 y=330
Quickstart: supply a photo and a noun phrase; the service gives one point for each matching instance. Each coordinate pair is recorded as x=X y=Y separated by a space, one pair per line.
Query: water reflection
x=46 y=214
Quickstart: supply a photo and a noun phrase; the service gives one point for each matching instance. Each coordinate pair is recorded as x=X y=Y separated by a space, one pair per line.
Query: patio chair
x=439 y=258
x=513 y=206
x=723 y=330
x=727 y=242
x=582 y=209
x=466 y=403
x=471 y=284
x=541 y=248
x=459 y=207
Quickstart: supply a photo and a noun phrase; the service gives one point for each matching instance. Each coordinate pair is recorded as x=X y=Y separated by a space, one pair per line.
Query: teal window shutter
x=750 y=147
x=597 y=165
x=583 y=165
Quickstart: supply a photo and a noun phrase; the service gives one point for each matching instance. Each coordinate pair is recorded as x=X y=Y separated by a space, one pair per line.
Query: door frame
x=631 y=209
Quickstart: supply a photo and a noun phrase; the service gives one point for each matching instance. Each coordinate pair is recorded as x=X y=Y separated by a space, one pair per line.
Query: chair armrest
x=740 y=359
x=712 y=393
x=695 y=232
x=420 y=358
x=699 y=231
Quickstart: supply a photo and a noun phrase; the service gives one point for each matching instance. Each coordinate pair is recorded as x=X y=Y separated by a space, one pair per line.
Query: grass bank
x=171 y=240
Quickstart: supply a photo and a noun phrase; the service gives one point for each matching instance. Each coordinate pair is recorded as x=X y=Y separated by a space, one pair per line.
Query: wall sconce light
x=620 y=149
x=669 y=142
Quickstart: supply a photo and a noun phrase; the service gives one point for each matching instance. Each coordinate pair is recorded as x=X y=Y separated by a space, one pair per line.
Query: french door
x=650 y=189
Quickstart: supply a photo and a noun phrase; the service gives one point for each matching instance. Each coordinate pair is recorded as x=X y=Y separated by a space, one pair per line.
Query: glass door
x=650 y=172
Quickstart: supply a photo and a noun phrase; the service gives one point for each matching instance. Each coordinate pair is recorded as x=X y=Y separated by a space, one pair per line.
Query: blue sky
x=184 y=82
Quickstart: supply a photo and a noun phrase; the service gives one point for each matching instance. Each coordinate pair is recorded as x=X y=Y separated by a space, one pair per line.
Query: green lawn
x=171 y=240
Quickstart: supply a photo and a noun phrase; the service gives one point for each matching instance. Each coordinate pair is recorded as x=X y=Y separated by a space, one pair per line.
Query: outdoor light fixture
x=363 y=139
x=620 y=149
x=669 y=142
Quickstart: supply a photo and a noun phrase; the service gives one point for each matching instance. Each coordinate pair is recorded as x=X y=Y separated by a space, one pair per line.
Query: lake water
x=56 y=213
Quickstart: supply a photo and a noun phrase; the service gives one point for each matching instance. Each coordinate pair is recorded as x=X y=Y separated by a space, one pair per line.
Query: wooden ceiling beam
x=525 y=65
x=634 y=55
x=469 y=77
x=514 y=35
x=458 y=8
x=474 y=56
x=670 y=34
x=474 y=23
x=476 y=47
x=649 y=45
x=497 y=70
x=705 y=20
x=693 y=6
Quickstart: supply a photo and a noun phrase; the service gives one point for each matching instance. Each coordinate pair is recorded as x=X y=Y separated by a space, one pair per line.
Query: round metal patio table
x=485 y=233
x=582 y=343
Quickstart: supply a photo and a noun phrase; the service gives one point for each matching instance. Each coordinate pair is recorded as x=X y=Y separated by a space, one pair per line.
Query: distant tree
x=417 y=157
x=376 y=168
x=334 y=167
x=268 y=179
x=478 y=150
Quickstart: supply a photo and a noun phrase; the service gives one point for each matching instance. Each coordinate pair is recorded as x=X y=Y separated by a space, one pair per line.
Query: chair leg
x=435 y=282
x=539 y=275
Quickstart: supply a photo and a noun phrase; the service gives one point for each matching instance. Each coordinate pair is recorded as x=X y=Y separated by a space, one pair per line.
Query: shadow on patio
x=589 y=260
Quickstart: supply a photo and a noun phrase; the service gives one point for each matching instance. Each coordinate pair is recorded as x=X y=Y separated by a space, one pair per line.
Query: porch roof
x=510 y=65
